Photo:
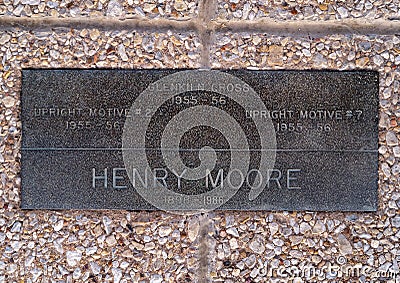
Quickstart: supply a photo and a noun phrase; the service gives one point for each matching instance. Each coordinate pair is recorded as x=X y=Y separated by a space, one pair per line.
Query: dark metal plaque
x=199 y=140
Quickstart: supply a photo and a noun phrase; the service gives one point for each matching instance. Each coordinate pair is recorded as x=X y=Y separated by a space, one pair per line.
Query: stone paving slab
x=263 y=242
x=104 y=246
x=174 y=9
x=307 y=10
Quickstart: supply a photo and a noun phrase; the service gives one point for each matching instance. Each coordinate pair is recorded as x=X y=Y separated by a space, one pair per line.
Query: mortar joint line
x=207 y=23
x=207 y=11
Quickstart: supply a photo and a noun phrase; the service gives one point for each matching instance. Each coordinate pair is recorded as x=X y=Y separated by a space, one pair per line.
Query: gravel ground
x=307 y=9
x=174 y=9
x=123 y=246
